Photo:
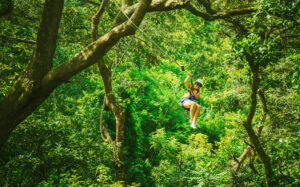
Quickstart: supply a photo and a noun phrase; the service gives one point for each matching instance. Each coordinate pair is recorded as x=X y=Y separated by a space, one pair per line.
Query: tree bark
x=38 y=81
x=119 y=114
x=109 y=100
x=247 y=151
x=118 y=143
x=27 y=93
x=168 y=5
x=248 y=122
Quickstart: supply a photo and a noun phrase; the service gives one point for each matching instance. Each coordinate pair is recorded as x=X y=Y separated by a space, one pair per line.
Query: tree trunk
x=28 y=92
x=120 y=119
x=247 y=151
x=34 y=86
x=37 y=80
x=248 y=122
x=120 y=170
x=109 y=100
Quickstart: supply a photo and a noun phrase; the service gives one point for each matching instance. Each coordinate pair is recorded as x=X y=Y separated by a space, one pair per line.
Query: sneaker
x=193 y=125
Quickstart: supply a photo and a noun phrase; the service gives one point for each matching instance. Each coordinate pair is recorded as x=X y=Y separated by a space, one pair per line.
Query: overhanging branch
x=219 y=15
x=167 y=5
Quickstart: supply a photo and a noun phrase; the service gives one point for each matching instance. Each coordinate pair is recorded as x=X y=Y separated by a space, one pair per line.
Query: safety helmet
x=199 y=81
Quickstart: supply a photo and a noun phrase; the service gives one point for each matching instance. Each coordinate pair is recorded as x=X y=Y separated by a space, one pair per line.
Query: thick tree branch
x=251 y=162
x=262 y=97
x=238 y=161
x=117 y=110
x=234 y=12
x=41 y=61
x=26 y=94
x=119 y=114
x=219 y=15
x=198 y=13
x=103 y=129
x=167 y=5
x=106 y=137
x=96 y=50
x=37 y=82
x=248 y=122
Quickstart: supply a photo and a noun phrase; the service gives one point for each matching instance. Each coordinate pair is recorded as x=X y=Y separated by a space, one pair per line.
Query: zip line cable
x=159 y=47
x=196 y=66
x=120 y=60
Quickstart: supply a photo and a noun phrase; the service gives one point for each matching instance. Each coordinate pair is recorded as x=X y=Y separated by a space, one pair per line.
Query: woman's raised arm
x=186 y=81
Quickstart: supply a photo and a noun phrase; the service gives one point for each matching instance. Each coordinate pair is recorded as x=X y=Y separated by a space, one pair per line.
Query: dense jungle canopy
x=90 y=89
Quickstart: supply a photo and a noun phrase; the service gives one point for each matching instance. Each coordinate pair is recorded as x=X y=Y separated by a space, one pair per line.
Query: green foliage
x=60 y=143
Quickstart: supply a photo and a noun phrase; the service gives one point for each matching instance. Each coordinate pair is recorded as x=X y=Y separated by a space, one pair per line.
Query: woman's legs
x=194 y=110
x=196 y=114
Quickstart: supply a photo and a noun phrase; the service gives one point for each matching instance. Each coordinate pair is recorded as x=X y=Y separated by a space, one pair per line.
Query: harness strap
x=192 y=95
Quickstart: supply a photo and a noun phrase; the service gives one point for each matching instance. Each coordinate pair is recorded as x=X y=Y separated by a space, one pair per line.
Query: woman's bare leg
x=192 y=106
x=196 y=114
x=192 y=111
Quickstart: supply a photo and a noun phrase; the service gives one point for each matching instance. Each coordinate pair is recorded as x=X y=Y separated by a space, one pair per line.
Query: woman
x=188 y=99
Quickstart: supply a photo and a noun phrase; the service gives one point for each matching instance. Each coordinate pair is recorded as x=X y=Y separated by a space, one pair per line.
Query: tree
x=39 y=79
x=259 y=46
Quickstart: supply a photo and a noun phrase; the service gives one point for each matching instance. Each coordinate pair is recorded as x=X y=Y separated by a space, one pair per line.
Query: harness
x=192 y=98
x=192 y=95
